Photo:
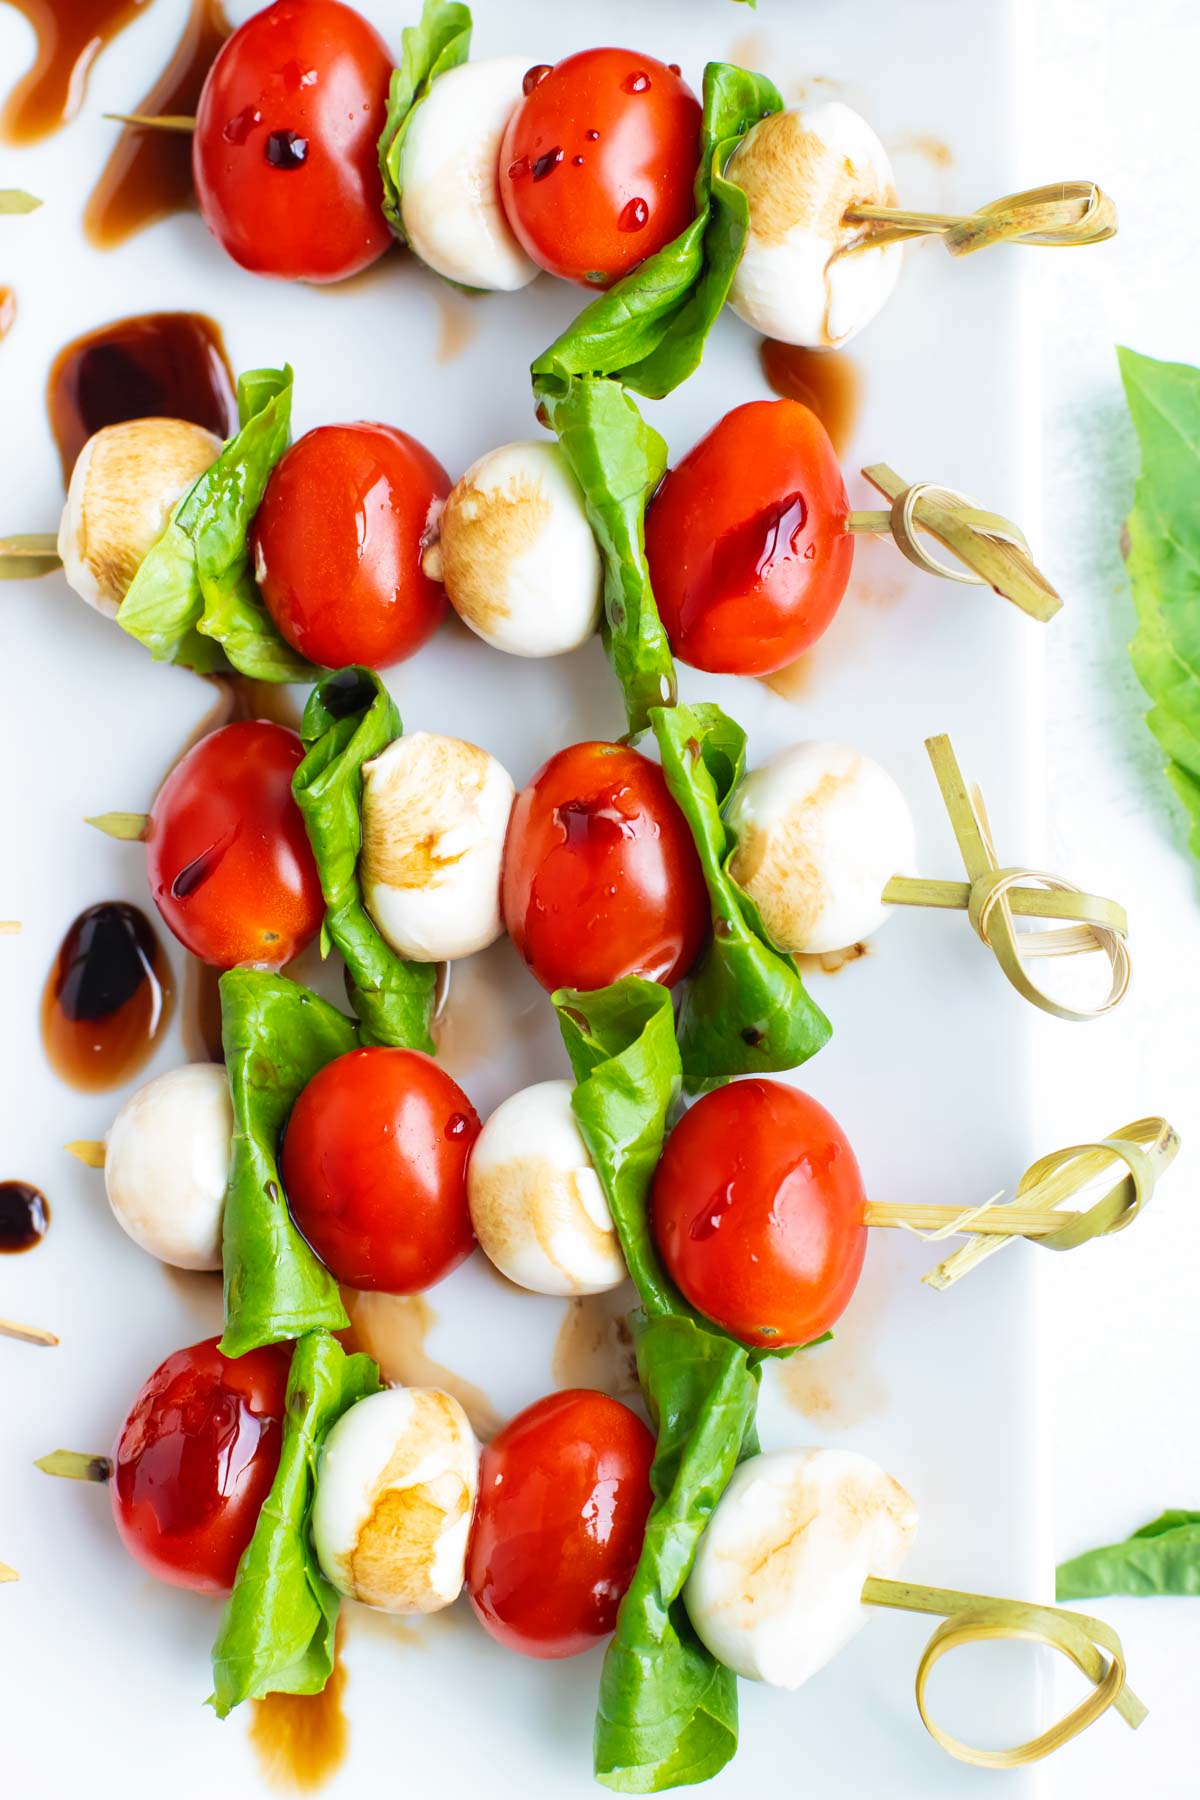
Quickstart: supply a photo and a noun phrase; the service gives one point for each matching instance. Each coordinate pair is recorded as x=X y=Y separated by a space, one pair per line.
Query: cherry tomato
x=598 y=161
x=338 y=541
x=564 y=1491
x=195 y=1459
x=230 y=866
x=758 y=1211
x=747 y=542
x=284 y=154
x=601 y=877
x=375 y=1169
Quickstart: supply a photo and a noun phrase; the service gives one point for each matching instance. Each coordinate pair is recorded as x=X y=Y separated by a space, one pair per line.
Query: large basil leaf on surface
x=276 y=1036
x=441 y=41
x=1162 y=1558
x=194 y=599
x=744 y=1010
x=1163 y=558
x=350 y=718
x=276 y=1632
x=649 y=330
x=618 y=461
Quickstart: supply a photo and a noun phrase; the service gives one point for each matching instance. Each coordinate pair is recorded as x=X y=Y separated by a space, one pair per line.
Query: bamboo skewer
x=27 y=555
x=91 y=1152
x=154 y=121
x=75 y=1465
x=27 y=1334
x=7 y=1573
x=1062 y=215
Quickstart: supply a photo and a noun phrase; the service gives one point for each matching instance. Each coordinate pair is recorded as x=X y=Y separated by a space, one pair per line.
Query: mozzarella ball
x=518 y=558
x=166 y=1164
x=821 y=830
x=434 y=814
x=124 y=488
x=804 y=277
x=449 y=180
x=536 y=1201
x=775 y=1588
x=396 y=1487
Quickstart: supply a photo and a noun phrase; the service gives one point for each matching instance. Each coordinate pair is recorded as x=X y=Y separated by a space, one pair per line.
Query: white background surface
x=1108 y=94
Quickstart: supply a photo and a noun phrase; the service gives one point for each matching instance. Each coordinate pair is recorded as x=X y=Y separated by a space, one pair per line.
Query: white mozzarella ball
x=434 y=814
x=536 y=1201
x=166 y=1164
x=775 y=1588
x=449 y=178
x=124 y=487
x=821 y=830
x=804 y=277
x=396 y=1487
x=518 y=558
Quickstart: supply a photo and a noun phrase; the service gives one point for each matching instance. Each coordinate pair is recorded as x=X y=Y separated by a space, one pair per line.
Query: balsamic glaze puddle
x=24 y=1217
x=108 y=997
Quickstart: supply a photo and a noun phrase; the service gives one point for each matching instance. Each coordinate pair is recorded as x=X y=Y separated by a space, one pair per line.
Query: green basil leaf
x=618 y=461
x=745 y=1010
x=194 y=599
x=350 y=717
x=668 y=1709
x=276 y=1036
x=649 y=330
x=1163 y=559
x=1162 y=1558
x=441 y=41
x=276 y=1632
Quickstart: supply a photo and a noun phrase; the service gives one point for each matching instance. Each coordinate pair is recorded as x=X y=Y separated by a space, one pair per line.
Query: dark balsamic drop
x=108 y=997
x=153 y=366
x=24 y=1217
x=349 y=691
x=285 y=149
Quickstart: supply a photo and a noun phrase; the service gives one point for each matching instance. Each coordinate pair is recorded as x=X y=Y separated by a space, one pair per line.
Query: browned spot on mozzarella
x=411 y=794
x=530 y=1197
x=483 y=530
x=777 y=866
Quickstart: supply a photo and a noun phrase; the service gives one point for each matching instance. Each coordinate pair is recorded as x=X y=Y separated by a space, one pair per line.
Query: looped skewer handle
x=1062 y=215
x=994 y=550
x=1090 y=1644
x=993 y=895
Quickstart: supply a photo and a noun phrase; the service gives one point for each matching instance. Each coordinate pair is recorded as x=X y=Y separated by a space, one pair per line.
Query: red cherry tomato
x=284 y=153
x=564 y=1491
x=375 y=1169
x=758 y=1211
x=229 y=863
x=338 y=541
x=747 y=542
x=598 y=161
x=195 y=1459
x=601 y=877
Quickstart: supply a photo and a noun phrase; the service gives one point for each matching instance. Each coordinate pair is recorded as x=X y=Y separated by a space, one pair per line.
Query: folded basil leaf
x=1162 y=1558
x=618 y=461
x=276 y=1036
x=649 y=330
x=745 y=1010
x=194 y=599
x=276 y=1632
x=441 y=41
x=350 y=717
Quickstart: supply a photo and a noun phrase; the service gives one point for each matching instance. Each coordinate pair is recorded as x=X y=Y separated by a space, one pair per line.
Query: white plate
x=103 y=1672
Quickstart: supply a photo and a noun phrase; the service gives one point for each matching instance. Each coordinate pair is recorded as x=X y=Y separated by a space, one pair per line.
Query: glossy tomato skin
x=338 y=540
x=284 y=154
x=598 y=162
x=230 y=866
x=564 y=1492
x=601 y=877
x=758 y=1210
x=195 y=1460
x=375 y=1169
x=747 y=543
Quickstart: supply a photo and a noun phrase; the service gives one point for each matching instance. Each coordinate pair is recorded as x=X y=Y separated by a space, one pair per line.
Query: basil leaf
x=194 y=599
x=668 y=1710
x=276 y=1036
x=1162 y=1558
x=350 y=717
x=745 y=1009
x=441 y=41
x=649 y=330
x=276 y=1632
x=618 y=461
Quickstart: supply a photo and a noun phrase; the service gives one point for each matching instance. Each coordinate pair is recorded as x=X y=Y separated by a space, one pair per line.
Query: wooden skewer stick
x=154 y=121
x=7 y=1574
x=10 y=927
x=27 y=1334
x=75 y=1465
x=128 y=826
x=1090 y=1644
x=91 y=1152
x=28 y=555
x=1063 y=215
